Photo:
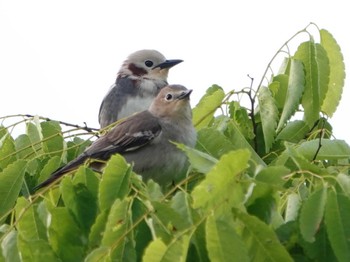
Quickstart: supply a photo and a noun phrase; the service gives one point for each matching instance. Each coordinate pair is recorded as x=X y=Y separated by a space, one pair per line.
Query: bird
x=145 y=139
x=142 y=75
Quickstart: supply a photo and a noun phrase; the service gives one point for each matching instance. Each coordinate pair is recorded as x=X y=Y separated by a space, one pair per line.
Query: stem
x=278 y=52
x=85 y=127
x=319 y=141
x=252 y=112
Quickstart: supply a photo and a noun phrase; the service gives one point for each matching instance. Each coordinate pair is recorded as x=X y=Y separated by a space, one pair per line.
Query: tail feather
x=72 y=165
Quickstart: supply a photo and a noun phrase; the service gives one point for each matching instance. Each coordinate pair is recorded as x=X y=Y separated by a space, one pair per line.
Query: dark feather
x=115 y=99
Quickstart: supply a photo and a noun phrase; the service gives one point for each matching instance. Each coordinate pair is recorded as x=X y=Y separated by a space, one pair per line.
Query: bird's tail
x=72 y=165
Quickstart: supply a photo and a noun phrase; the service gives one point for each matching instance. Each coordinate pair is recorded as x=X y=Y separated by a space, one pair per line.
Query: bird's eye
x=148 y=63
x=168 y=97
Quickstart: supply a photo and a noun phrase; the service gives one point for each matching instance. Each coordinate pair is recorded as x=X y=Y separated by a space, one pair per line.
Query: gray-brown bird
x=140 y=78
x=145 y=139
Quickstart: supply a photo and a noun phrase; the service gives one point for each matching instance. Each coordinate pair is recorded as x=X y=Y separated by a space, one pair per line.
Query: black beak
x=168 y=63
x=185 y=94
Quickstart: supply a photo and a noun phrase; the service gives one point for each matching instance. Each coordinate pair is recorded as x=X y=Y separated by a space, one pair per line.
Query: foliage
x=264 y=184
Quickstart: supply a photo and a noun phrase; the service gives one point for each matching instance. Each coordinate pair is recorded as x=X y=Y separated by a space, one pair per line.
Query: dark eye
x=148 y=63
x=169 y=97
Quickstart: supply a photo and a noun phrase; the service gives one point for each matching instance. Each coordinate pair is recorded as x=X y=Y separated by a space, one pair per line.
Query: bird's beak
x=168 y=63
x=185 y=94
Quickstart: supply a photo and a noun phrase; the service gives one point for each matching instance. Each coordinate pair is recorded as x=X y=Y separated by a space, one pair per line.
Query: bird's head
x=173 y=101
x=148 y=64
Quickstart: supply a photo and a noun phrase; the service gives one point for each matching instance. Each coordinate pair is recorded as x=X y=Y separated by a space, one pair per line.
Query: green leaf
x=155 y=251
x=284 y=67
x=298 y=161
x=204 y=111
x=34 y=133
x=221 y=183
x=115 y=235
x=7 y=151
x=242 y=119
x=293 y=207
x=307 y=54
x=52 y=142
x=36 y=250
x=97 y=229
x=223 y=243
x=268 y=180
x=269 y=115
x=52 y=164
x=181 y=202
x=319 y=250
x=312 y=213
x=200 y=161
x=142 y=230
x=9 y=247
x=80 y=202
x=34 y=166
x=279 y=88
x=89 y=178
x=29 y=226
x=344 y=182
x=23 y=147
x=261 y=239
x=294 y=92
x=323 y=71
x=294 y=131
x=76 y=147
x=65 y=237
x=175 y=251
x=32 y=239
x=330 y=149
x=154 y=191
x=337 y=73
x=117 y=222
x=239 y=142
x=272 y=176
x=11 y=180
x=99 y=254
x=168 y=217
x=213 y=142
x=337 y=218
x=115 y=182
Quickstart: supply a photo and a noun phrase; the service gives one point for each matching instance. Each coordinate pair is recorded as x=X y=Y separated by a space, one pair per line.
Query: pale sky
x=59 y=58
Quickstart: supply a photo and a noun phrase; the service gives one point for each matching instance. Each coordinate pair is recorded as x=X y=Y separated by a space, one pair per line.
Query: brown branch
x=320 y=139
x=252 y=112
x=85 y=127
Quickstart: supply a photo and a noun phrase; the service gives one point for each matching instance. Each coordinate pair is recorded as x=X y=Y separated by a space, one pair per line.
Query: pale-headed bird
x=145 y=139
x=140 y=78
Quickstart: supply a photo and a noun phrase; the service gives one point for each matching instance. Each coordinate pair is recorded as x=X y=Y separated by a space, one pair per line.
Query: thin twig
x=85 y=127
x=278 y=52
x=252 y=113
x=319 y=140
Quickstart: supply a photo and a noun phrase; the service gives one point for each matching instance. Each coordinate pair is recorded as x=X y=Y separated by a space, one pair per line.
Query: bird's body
x=144 y=139
x=140 y=78
x=164 y=164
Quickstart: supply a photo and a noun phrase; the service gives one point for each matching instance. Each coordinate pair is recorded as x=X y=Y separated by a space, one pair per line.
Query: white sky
x=59 y=58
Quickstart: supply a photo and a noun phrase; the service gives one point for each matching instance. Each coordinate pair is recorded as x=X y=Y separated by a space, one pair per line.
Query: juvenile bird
x=144 y=139
x=138 y=82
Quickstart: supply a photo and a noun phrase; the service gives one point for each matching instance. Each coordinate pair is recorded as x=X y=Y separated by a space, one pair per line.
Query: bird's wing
x=132 y=133
x=115 y=99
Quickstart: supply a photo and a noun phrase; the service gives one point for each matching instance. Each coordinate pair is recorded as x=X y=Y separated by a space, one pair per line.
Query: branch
x=319 y=140
x=85 y=127
x=252 y=112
